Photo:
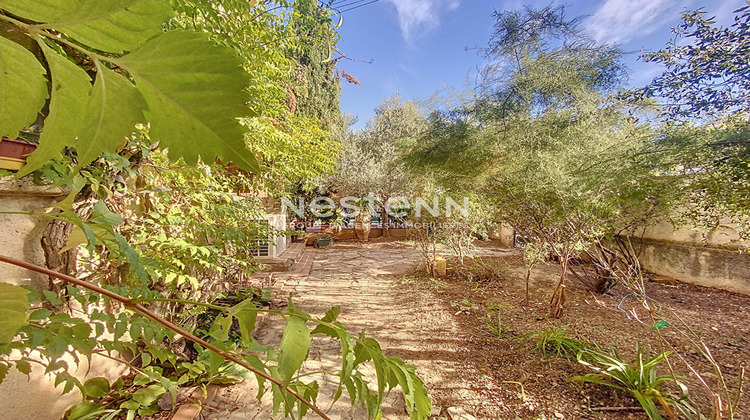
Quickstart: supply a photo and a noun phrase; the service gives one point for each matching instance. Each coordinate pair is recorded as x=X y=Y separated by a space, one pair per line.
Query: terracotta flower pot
x=13 y=153
x=362 y=225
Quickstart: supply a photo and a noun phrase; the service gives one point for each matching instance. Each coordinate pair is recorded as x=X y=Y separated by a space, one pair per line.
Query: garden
x=551 y=244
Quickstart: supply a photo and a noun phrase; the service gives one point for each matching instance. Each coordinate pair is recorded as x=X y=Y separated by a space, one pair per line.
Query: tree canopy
x=529 y=46
x=372 y=160
x=544 y=142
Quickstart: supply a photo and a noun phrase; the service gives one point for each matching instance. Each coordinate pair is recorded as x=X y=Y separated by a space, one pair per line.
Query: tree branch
x=130 y=303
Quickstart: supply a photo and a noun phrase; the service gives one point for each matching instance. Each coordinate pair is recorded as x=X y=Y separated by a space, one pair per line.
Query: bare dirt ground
x=465 y=336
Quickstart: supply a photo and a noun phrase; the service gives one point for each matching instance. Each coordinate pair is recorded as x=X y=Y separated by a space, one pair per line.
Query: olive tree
x=372 y=161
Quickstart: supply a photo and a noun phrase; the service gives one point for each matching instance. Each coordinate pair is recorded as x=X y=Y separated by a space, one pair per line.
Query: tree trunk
x=384 y=222
x=56 y=236
x=558 y=297
x=528 y=277
x=54 y=239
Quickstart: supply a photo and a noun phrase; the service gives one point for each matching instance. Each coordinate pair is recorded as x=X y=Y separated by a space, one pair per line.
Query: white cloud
x=419 y=16
x=411 y=71
x=624 y=20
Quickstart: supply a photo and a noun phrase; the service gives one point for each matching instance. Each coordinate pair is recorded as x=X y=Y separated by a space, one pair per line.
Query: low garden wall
x=722 y=268
x=713 y=259
x=345 y=234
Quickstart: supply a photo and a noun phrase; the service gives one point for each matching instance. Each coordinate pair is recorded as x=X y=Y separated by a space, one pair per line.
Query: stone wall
x=710 y=266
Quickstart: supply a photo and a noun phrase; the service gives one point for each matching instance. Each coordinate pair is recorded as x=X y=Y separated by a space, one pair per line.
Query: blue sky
x=419 y=47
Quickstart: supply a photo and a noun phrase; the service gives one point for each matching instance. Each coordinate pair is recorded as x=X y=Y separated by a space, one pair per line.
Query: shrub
x=640 y=378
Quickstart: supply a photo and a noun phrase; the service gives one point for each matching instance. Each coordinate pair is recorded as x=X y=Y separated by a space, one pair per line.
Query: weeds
x=479 y=270
x=640 y=378
x=555 y=342
x=495 y=325
x=463 y=305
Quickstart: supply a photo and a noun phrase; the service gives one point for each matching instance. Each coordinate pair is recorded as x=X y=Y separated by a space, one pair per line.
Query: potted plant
x=362 y=225
x=323 y=242
x=13 y=153
x=330 y=222
x=336 y=221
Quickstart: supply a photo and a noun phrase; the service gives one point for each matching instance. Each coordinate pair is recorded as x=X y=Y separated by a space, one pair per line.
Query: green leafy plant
x=56 y=334
x=496 y=326
x=640 y=378
x=113 y=70
x=196 y=85
x=705 y=75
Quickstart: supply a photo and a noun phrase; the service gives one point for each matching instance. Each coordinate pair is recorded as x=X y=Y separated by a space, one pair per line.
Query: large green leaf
x=85 y=410
x=117 y=30
x=295 y=343
x=13 y=307
x=148 y=395
x=58 y=10
x=338 y=331
x=113 y=109
x=246 y=314
x=195 y=92
x=418 y=403
x=96 y=387
x=23 y=88
x=108 y=25
x=71 y=87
